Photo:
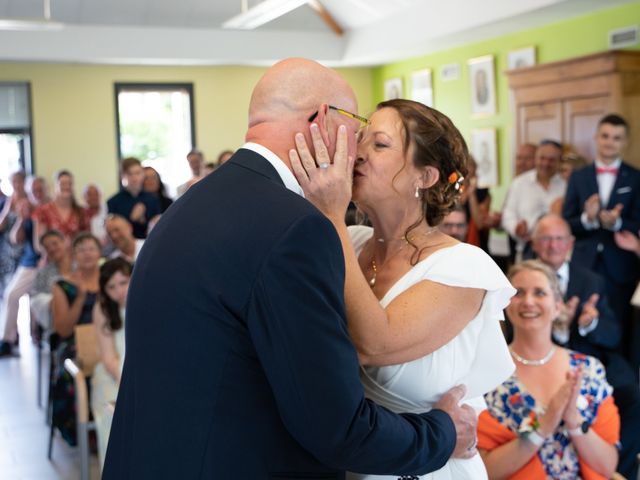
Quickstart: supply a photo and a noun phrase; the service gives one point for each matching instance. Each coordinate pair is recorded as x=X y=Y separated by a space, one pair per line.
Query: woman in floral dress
x=554 y=418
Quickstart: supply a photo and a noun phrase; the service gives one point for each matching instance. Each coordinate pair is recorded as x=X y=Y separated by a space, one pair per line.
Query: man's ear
x=322 y=121
x=430 y=176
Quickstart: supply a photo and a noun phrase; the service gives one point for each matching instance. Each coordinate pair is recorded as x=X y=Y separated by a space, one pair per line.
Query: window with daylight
x=16 y=152
x=155 y=123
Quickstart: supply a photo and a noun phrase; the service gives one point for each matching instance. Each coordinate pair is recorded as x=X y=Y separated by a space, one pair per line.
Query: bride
x=423 y=308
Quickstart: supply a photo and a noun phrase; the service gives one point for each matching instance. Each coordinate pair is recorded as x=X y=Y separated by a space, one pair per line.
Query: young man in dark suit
x=239 y=363
x=590 y=326
x=601 y=199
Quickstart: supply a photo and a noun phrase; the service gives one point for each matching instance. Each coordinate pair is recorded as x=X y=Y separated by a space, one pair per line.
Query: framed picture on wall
x=393 y=88
x=523 y=57
x=483 y=86
x=422 y=87
x=485 y=152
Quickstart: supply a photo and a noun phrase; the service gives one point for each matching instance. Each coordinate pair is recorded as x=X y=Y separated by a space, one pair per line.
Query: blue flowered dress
x=516 y=409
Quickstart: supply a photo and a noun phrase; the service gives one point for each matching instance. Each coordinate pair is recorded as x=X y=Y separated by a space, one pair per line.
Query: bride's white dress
x=477 y=357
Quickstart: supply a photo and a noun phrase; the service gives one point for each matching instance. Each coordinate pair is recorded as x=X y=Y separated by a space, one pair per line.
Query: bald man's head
x=288 y=94
x=297 y=86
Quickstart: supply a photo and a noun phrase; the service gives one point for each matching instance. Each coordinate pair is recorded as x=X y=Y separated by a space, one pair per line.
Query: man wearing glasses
x=588 y=325
x=239 y=363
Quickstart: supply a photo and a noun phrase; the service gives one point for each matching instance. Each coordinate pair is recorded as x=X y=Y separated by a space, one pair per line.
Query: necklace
x=534 y=363
x=374 y=266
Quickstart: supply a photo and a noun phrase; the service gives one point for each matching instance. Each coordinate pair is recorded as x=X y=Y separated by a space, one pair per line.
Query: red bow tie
x=612 y=170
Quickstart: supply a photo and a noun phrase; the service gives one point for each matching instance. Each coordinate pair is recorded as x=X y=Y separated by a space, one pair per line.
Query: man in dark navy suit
x=239 y=364
x=601 y=199
x=590 y=326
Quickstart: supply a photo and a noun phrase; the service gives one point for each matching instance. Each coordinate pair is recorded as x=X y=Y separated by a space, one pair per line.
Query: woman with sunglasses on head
x=554 y=418
x=108 y=318
x=423 y=308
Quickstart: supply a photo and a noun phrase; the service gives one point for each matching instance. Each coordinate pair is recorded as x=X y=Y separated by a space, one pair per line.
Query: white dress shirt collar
x=563 y=277
x=285 y=174
x=615 y=164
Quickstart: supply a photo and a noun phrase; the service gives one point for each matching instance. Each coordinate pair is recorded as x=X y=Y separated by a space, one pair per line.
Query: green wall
x=571 y=38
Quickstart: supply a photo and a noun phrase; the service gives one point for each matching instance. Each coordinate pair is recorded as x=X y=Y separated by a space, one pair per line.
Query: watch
x=580 y=430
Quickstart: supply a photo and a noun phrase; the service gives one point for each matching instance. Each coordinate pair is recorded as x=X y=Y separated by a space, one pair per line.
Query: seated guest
x=588 y=325
x=196 y=164
x=476 y=202
x=209 y=167
x=455 y=224
x=58 y=266
x=10 y=253
x=108 y=317
x=121 y=235
x=525 y=158
x=20 y=284
x=132 y=202
x=555 y=417
x=223 y=156
x=72 y=304
x=62 y=213
x=153 y=185
x=96 y=211
x=37 y=191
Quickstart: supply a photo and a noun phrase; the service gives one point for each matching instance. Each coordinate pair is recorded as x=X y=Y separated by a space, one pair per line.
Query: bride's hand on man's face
x=326 y=182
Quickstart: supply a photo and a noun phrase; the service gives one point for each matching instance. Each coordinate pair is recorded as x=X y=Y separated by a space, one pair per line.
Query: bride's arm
x=414 y=324
x=417 y=322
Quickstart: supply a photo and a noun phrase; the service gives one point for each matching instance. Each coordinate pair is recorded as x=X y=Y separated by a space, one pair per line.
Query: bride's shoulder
x=467 y=265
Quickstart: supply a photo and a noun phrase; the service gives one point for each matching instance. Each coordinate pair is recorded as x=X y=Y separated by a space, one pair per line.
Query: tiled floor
x=23 y=432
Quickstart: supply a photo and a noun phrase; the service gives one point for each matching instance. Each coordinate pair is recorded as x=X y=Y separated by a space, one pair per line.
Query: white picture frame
x=482 y=85
x=393 y=88
x=422 y=87
x=450 y=72
x=521 y=58
x=484 y=148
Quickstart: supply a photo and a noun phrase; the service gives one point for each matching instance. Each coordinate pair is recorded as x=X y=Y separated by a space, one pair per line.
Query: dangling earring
x=417 y=194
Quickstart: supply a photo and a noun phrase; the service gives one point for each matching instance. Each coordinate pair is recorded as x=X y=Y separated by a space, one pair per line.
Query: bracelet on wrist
x=534 y=437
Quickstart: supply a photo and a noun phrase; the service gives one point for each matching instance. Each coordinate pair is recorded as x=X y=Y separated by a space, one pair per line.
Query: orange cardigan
x=492 y=434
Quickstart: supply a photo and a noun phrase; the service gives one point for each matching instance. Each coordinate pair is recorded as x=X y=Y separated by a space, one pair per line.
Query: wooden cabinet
x=564 y=100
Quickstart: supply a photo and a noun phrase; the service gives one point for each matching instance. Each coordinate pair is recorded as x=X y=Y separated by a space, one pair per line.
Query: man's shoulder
x=116 y=197
x=527 y=177
x=630 y=169
x=579 y=274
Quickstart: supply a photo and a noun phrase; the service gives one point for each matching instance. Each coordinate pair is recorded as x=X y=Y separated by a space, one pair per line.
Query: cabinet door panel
x=581 y=118
x=540 y=121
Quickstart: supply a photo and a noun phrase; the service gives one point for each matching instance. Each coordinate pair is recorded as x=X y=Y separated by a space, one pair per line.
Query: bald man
x=239 y=363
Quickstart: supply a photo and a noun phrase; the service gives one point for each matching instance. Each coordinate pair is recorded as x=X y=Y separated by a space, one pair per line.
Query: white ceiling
x=188 y=32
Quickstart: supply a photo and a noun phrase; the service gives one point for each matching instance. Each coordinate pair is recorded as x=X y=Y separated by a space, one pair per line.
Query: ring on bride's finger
x=323 y=165
x=473 y=445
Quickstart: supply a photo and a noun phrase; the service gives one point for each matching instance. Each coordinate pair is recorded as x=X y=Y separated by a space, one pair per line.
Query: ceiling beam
x=326 y=17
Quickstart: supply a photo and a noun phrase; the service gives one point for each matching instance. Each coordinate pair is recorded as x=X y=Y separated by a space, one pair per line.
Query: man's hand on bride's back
x=465 y=419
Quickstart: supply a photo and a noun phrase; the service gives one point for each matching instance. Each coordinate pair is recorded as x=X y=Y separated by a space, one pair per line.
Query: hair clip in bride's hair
x=456 y=180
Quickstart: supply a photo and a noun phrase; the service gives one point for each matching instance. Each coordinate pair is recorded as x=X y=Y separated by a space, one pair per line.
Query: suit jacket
x=239 y=363
x=621 y=265
x=603 y=342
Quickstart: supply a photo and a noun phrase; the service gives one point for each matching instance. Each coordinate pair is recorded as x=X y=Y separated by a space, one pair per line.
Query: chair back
x=87 y=350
